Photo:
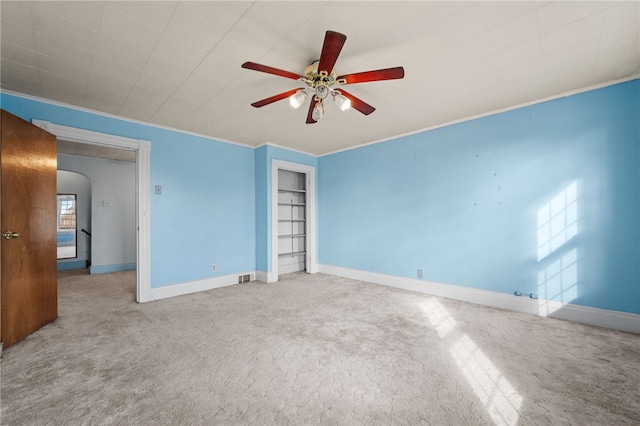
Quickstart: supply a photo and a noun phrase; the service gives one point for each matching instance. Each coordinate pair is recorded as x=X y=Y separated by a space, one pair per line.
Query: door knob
x=9 y=235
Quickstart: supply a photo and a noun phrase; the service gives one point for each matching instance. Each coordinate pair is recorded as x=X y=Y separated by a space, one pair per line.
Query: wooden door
x=28 y=269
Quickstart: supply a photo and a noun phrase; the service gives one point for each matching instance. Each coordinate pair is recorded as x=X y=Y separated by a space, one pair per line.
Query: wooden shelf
x=293 y=253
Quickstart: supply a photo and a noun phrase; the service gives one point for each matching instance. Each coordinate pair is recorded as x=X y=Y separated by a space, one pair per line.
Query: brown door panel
x=29 y=295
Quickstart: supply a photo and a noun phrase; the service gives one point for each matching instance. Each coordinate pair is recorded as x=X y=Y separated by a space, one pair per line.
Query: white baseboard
x=266 y=277
x=593 y=316
x=195 y=286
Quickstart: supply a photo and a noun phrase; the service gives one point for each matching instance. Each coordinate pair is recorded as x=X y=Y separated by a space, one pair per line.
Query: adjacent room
x=320 y=212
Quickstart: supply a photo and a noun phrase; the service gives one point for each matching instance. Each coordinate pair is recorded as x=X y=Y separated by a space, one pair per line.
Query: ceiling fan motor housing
x=322 y=91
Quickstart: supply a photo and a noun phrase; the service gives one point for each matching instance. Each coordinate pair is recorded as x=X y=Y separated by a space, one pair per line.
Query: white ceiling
x=177 y=64
x=96 y=151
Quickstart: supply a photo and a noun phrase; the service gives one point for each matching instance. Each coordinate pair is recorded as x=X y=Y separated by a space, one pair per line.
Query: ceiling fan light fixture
x=298 y=99
x=342 y=101
x=320 y=79
x=318 y=111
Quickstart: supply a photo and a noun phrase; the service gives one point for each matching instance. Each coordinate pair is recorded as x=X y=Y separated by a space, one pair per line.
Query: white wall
x=113 y=220
x=75 y=183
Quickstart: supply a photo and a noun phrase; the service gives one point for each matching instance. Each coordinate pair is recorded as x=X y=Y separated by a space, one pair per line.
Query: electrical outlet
x=419 y=273
x=213 y=267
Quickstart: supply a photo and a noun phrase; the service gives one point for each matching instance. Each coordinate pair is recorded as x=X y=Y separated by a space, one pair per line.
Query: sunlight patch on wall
x=558 y=282
x=558 y=221
x=499 y=397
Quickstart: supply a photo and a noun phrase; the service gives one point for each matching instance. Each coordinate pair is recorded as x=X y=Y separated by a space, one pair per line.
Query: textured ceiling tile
x=157 y=84
x=522 y=70
x=620 y=37
x=622 y=15
x=512 y=33
x=494 y=14
x=198 y=88
x=220 y=16
x=79 y=70
x=178 y=52
x=166 y=70
x=114 y=50
x=146 y=99
x=116 y=70
x=128 y=31
x=99 y=92
x=17 y=69
x=18 y=12
x=216 y=67
x=560 y=13
x=618 y=62
x=15 y=34
x=100 y=81
x=189 y=26
x=63 y=30
x=517 y=54
x=154 y=14
x=63 y=83
x=62 y=52
x=429 y=13
x=376 y=34
x=18 y=54
x=588 y=28
x=84 y=13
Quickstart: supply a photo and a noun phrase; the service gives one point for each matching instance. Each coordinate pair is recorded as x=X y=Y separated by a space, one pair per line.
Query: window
x=67 y=218
x=67 y=214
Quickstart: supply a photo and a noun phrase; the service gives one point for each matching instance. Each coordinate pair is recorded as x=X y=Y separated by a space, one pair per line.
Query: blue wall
x=264 y=156
x=542 y=199
x=206 y=213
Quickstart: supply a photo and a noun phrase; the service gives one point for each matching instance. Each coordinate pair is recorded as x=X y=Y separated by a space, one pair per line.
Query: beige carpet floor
x=311 y=350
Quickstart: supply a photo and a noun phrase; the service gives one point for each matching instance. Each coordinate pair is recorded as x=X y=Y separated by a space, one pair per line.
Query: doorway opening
x=73 y=220
x=142 y=151
x=293 y=213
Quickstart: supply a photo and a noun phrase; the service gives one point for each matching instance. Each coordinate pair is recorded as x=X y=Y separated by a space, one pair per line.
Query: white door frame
x=310 y=214
x=143 y=185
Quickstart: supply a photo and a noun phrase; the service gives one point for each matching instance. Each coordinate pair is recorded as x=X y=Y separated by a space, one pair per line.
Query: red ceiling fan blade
x=312 y=104
x=274 y=98
x=271 y=70
x=331 y=48
x=358 y=104
x=377 y=75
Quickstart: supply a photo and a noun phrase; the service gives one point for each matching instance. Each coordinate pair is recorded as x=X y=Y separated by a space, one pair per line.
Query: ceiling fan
x=320 y=81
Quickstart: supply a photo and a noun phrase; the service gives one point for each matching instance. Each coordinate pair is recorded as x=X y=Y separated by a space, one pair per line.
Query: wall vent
x=244 y=278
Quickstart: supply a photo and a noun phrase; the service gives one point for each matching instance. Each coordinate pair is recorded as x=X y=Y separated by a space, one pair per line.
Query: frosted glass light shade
x=318 y=111
x=297 y=99
x=342 y=101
